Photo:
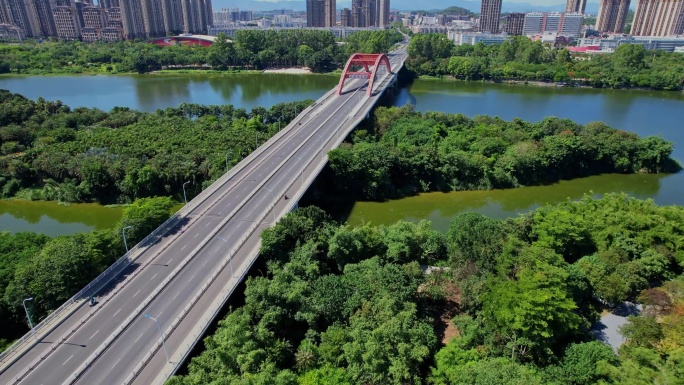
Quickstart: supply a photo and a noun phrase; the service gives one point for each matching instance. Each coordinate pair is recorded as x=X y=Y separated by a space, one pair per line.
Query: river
x=642 y=112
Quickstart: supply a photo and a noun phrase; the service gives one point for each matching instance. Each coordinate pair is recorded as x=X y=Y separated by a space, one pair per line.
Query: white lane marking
x=136 y=293
x=159 y=314
x=169 y=262
x=219 y=214
x=67 y=360
x=139 y=337
x=205 y=262
x=183 y=248
x=191 y=278
x=91 y=337
x=196 y=235
x=155 y=276
x=208 y=224
x=117 y=361
x=174 y=297
x=117 y=312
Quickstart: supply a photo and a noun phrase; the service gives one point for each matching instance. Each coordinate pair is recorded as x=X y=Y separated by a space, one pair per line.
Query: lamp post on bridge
x=123 y=232
x=228 y=152
x=230 y=262
x=274 y=203
x=185 y=197
x=28 y=316
x=166 y=353
x=301 y=166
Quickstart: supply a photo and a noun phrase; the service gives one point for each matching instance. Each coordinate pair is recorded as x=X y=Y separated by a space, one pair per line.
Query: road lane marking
x=205 y=262
x=169 y=262
x=208 y=224
x=67 y=360
x=91 y=337
x=159 y=314
x=117 y=312
x=191 y=278
x=155 y=276
x=136 y=293
x=117 y=361
x=174 y=297
x=183 y=248
x=139 y=337
x=196 y=235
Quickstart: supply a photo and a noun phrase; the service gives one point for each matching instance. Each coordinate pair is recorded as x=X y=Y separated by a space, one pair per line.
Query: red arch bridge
x=364 y=66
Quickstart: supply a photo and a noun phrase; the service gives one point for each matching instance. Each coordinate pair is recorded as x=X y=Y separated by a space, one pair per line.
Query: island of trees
x=249 y=49
x=49 y=151
x=405 y=152
x=512 y=304
x=519 y=58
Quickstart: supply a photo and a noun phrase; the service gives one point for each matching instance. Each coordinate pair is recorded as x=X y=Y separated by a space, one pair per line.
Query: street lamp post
x=231 y=258
x=185 y=195
x=123 y=232
x=228 y=152
x=274 y=203
x=28 y=316
x=166 y=353
x=301 y=165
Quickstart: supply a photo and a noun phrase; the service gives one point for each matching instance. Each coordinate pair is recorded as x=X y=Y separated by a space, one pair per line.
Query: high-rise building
x=367 y=13
x=321 y=13
x=115 y=19
x=67 y=19
x=564 y=24
x=575 y=6
x=43 y=12
x=515 y=23
x=658 y=18
x=612 y=15
x=490 y=12
x=346 y=19
x=383 y=13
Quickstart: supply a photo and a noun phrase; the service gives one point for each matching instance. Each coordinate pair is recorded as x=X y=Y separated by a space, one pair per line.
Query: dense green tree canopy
x=351 y=305
x=52 y=152
x=249 y=49
x=519 y=58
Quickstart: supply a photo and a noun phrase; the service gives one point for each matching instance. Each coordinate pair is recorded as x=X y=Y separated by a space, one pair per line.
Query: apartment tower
x=490 y=12
x=658 y=18
x=515 y=23
x=321 y=13
x=575 y=6
x=612 y=15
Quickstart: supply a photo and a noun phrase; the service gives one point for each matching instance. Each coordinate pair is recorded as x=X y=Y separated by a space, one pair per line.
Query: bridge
x=158 y=300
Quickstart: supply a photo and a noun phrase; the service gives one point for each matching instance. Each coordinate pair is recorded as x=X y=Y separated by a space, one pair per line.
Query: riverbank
x=537 y=83
x=289 y=71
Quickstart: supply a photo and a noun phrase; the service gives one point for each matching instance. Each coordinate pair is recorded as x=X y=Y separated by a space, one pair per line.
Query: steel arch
x=365 y=60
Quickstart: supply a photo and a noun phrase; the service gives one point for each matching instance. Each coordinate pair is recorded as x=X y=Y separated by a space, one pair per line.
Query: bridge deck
x=183 y=275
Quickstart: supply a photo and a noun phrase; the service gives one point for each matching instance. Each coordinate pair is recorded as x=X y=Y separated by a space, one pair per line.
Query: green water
x=54 y=219
x=643 y=112
x=441 y=208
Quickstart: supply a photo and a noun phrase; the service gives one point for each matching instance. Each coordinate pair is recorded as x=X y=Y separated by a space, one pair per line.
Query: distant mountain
x=407 y=5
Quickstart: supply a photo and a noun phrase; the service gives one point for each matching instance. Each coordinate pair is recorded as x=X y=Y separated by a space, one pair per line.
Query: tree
x=531 y=312
x=143 y=217
x=642 y=331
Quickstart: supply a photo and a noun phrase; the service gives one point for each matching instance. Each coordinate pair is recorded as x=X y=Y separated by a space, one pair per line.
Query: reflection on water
x=152 y=92
x=441 y=208
x=53 y=219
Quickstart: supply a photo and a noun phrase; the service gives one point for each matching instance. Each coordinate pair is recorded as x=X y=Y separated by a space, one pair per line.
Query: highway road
x=216 y=237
